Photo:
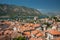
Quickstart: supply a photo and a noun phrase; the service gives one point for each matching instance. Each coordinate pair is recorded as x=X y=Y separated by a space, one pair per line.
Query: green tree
x=20 y=38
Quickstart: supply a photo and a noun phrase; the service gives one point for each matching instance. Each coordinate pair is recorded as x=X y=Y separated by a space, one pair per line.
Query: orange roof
x=8 y=31
x=35 y=32
x=7 y=22
x=31 y=28
x=22 y=29
x=39 y=39
x=1 y=32
x=36 y=25
x=31 y=23
x=27 y=28
x=58 y=38
x=27 y=33
x=28 y=24
x=54 y=32
x=32 y=38
x=35 y=39
x=39 y=34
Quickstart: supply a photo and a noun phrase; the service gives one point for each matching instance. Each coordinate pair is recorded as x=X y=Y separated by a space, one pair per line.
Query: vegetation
x=13 y=10
x=20 y=38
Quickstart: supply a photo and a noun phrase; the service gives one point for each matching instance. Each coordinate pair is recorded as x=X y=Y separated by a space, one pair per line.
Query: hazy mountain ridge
x=13 y=10
x=52 y=13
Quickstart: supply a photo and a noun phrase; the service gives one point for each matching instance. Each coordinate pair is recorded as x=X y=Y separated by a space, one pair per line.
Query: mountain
x=53 y=13
x=13 y=10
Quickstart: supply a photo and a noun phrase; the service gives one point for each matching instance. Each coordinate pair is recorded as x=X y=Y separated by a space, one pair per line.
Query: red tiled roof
x=58 y=38
x=36 y=25
x=39 y=34
x=32 y=38
x=54 y=32
x=36 y=39
x=35 y=32
x=7 y=31
x=39 y=39
x=27 y=34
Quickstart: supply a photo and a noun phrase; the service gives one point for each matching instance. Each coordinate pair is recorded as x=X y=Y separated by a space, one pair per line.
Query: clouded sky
x=42 y=5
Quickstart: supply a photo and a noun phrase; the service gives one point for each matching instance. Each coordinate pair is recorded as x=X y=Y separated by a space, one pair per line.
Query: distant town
x=47 y=28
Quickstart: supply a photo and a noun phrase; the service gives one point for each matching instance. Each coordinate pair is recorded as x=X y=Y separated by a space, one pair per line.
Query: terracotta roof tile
x=36 y=25
x=32 y=38
x=54 y=32
x=27 y=34
x=35 y=32
x=36 y=39
x=39 y=39
x=7 y=32
x=39 y=34
x=58 y=38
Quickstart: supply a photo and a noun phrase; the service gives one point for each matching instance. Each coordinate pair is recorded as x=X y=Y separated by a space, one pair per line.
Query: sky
x=41 y=5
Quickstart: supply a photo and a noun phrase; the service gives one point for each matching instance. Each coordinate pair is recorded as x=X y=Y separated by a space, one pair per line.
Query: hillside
x=13 y=10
